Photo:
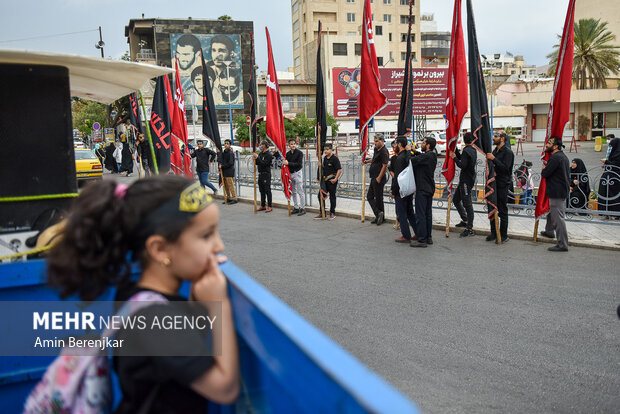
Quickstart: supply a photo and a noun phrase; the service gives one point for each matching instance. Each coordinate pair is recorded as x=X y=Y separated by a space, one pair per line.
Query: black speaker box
x=36 y=143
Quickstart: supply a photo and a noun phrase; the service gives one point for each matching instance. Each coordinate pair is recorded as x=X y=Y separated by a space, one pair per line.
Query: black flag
x=479 y=112
x=161 y=126
x=253 y=95
x=209 y=114
x=134 y=113
x=321 y=114
x=405 y=114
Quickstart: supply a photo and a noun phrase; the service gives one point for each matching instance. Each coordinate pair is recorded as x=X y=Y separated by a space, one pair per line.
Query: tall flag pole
x=479 y=116
x=180 y=156
x=275 y=119
x=456 y=102
x=405 y=115
x=161 y=126
x=253 y=103
x=321 y=113
x=371 y=100
x=559 y=107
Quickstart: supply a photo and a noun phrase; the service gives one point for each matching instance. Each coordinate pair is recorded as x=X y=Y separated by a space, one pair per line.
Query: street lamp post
x=228 y=63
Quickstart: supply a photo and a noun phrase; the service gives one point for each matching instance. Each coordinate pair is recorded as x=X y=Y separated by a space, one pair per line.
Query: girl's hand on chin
x=212 y=285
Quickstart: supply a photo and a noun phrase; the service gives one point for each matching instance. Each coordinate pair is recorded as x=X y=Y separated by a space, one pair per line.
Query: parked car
x=78 y=143
x=388 y=145
x=87 y=165
x=442 y=144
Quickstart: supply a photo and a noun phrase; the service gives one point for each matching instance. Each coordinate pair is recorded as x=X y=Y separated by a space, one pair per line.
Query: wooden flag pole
x=223 y=184
x=148 y=134
x=499 y=236
x=448 y=215
x=321 y=201
x=255 y=208
x=363 y=191
x=536 y=230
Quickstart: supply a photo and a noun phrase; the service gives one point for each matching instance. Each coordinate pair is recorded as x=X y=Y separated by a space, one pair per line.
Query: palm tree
x=595 y=57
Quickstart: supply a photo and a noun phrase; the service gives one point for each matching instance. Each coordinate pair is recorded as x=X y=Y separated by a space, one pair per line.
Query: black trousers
x=423 y=215
x=264 y=186
x=462 y=202
x=375 y=196
x=331 y=189
x=502 y=212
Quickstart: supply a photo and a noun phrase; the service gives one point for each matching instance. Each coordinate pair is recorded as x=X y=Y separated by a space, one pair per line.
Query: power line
x=48 y=36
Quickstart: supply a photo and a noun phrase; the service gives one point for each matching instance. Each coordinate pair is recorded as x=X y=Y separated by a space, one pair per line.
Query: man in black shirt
x=503 y=160
x=203 y=157
x=295 y=161
x=402 y=205
x=331 y=172
x=227 y=162
x=263 y=162
x=378 y=178
x=557 y=173
x=462 y=197
x=424 y=168
x=144 y=155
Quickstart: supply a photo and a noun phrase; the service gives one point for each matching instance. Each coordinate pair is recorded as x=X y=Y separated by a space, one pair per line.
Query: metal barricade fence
x=602 y=202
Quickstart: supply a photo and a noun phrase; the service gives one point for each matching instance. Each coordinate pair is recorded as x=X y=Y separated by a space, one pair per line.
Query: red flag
x=180 y=158
x=275 y=119
x=371 y=100
x=559 y=108
x=456 y=103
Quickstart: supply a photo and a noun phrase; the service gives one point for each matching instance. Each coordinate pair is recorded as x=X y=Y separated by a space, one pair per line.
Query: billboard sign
x=219 y=50
x=430 y=89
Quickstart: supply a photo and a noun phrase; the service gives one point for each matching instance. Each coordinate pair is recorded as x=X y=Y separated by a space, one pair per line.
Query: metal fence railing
x=601 y=202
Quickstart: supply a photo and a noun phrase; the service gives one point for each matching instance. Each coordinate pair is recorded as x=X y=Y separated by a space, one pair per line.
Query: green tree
x=595 y=57
x=86 y=113
x=225 y=17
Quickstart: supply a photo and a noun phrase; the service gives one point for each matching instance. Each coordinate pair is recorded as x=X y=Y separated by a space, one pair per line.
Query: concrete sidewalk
x=594 y=233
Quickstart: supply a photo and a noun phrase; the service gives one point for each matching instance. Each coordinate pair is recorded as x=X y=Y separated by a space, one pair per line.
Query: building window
x=412 y=55
x=404 y=2
x=295 y=25
x=413 y=19
x=403 y=55
x=297 y=61
x=387 y=18
x=296 y=43
x=358 y=49
x=403 y=37
x=611 y=120
x=301 y=100
x=288 y=101
x=380 y=59
x=350 y=17
x=295 y=6
x=390 y=37
x=412 y=37
x=340 y=49
x=372 y=17
x=350 y=1
x=404 y=19
x=379 y=30
x=387 y=1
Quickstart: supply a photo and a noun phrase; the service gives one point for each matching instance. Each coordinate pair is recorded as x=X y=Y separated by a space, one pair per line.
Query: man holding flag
x=371 y=100
x=556 y=172
x=559 y=113
x=274 y=127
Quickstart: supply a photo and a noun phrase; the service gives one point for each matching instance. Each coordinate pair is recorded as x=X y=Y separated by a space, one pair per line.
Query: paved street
x=459 y=326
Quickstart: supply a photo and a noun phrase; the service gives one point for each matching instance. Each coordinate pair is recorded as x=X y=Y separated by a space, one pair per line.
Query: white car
x=441 y=146
x=371 y=149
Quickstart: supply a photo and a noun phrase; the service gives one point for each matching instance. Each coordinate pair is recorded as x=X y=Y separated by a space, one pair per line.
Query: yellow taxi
x=87 y=165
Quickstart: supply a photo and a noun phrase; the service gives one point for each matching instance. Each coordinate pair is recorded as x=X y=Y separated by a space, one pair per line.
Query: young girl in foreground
x=170 y=225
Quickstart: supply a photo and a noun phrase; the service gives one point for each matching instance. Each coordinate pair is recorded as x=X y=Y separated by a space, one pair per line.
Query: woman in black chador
x=127 y=160
x=609 y=186
x=579 y=185
x=110 y=162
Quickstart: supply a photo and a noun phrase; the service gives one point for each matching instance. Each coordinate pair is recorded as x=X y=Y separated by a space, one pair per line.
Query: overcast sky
x=524 y=27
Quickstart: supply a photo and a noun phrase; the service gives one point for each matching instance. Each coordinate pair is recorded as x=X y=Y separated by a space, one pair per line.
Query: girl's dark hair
x=92 y=253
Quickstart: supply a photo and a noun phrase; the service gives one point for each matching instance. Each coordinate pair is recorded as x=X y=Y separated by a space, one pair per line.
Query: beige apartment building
x=342 y=39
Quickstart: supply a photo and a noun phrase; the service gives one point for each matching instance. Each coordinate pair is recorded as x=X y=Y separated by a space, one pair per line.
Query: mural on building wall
x=227 y=85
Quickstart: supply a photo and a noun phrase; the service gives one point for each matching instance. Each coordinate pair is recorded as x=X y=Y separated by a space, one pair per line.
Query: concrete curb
x=442 y=228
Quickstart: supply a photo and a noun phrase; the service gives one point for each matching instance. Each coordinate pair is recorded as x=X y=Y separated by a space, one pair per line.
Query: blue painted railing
x=287 y=364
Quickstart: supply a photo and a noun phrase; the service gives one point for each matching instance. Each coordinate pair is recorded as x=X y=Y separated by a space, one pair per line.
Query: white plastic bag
x=406 y=181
